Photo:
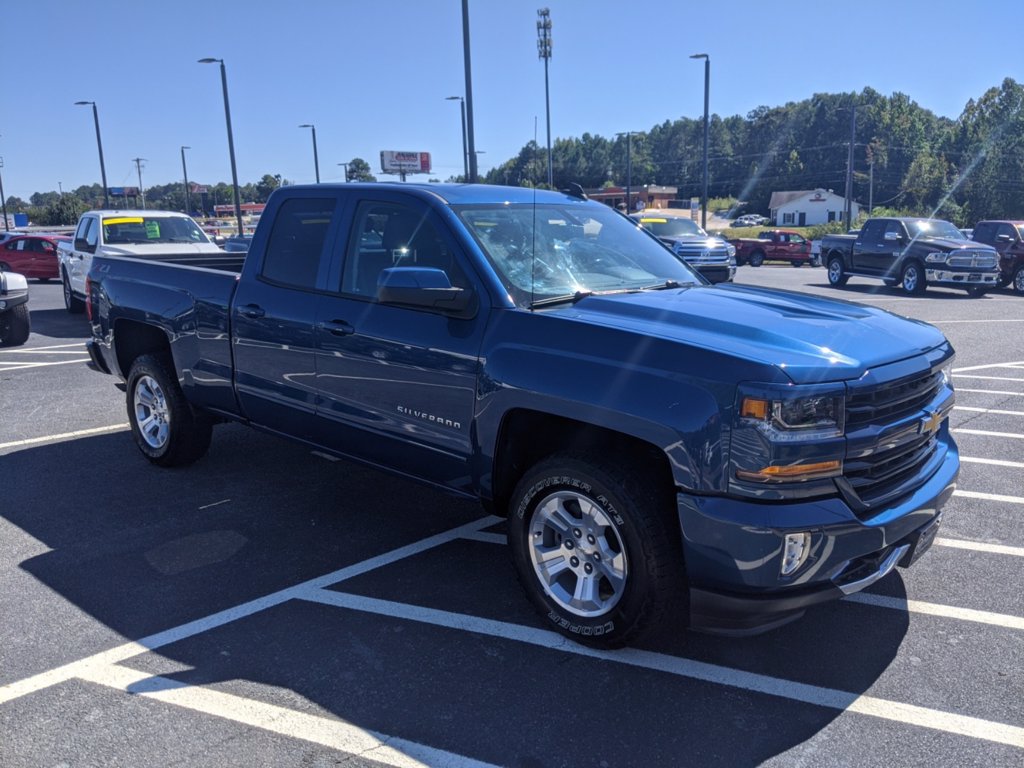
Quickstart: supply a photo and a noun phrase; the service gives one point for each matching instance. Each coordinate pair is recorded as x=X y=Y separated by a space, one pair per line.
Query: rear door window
x=295 y=249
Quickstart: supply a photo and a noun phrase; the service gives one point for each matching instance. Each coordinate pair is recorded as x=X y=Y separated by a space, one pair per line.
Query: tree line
x=905 y=158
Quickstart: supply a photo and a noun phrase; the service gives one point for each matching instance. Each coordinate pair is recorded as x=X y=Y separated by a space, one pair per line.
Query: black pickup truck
x=913 y=253
x=645 y=433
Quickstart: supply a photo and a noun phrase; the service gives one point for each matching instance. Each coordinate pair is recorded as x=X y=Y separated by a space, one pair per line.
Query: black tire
x=5 y=267
x=795 y=263
x=977 y=291
x=15 y=326
x=608 y=524
x=1003 y=281
x=168 y=431
x=1018 y=280
x=913 y=279
x=72 y=303
x=837 y=276
x=756 y=259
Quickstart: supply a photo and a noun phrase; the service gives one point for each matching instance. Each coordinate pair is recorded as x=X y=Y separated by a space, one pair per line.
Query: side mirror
x=424 y=287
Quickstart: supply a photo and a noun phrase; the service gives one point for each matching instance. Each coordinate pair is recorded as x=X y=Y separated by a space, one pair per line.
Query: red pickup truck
x=773 y=245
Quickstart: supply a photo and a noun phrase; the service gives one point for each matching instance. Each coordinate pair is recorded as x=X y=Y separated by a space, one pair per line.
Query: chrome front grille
x=981 y=259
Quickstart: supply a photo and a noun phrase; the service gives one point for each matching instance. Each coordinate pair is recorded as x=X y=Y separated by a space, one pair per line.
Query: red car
x=32 y=256
x=773 y=245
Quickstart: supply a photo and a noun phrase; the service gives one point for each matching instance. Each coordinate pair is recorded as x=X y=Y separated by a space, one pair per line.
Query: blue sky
x=373 y=75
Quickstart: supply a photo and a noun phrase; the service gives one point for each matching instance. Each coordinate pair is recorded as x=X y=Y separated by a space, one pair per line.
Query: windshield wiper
x=569 y=298
x=663 y=286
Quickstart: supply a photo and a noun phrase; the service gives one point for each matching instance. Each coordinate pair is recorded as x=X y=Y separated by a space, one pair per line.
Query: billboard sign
x=404 y=162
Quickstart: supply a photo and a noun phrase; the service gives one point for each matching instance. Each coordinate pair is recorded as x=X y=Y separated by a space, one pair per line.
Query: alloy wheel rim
x=577 y=554
x=151 y=412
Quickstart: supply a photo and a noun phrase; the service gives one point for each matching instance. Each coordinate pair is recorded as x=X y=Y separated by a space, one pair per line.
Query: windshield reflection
x=556 y=250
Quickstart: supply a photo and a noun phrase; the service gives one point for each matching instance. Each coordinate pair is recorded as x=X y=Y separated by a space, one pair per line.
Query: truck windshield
x=151 y=229
x=664 y=226
x=926 y=228
x=557 y=250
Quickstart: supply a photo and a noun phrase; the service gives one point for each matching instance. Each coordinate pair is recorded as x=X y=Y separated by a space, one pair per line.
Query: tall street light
x=544 y=52
x=316 y=158
x=231 y=140
x=99 y=145
x=465 y=149
x=346 y=170
x=707 y=83
x=184 y=171
x=471 y=145
x=629 y=169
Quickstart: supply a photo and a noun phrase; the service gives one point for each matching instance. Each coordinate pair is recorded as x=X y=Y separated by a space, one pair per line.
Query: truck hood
x=954 y=245
x=810 y=339
x=158 y=249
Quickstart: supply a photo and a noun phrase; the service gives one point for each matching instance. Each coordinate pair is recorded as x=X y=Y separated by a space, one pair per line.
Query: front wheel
x=756 y=259
x=837 y=276
x=976 y=291
x=913 y=279
x=15 y=326
x=1018 y=280
x=595 y=547
x=72 y=303
x=168 y=431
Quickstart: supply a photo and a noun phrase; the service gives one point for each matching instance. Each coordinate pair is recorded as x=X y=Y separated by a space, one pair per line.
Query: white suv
x=124 y=233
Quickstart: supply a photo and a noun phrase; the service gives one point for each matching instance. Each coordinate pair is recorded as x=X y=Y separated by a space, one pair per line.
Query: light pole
x=142 y=190
x=99 y=145
x=231 y=140
x=3 y=200
x=465 y=149
x=544 y=52
x=184 y=171
x=61 y=188
x=704 y=189
x=471 y=142
x=316 y=158
x=346 y=170
x=629 y=169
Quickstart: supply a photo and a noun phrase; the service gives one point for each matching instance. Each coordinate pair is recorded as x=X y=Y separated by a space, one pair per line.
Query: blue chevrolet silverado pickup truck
x=647 y=435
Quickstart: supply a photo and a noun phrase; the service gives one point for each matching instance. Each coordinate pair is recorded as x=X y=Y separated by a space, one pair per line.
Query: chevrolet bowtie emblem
x=930 y=423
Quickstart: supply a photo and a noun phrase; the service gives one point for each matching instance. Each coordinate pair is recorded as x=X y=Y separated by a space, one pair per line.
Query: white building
x=808 y=207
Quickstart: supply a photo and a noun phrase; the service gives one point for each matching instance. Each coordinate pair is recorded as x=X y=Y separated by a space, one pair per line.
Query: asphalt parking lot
x=270 y=606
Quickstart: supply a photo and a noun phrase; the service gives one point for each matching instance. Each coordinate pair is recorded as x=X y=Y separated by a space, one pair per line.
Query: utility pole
x=184 y=170
x=849 y=167
x=138 y=167
x=3 y=200
x=469 y=93
x=544 y=51
x=871 y=185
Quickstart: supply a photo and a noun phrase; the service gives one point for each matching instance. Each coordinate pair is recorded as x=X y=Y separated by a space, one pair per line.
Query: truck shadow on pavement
x=139 y=550
x=58 y=324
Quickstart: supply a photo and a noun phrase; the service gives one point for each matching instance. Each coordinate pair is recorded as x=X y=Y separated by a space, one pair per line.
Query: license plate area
x=920 y=542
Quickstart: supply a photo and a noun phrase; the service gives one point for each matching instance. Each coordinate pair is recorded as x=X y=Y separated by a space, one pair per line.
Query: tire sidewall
x=919 y=285
x=567 y=475
x=835 y=277
x=148 y=366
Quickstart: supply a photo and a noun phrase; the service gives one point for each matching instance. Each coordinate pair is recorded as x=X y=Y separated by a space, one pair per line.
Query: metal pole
x=707 y=90
x=184 y=171
x=231 y=140
x=629 y=172
x=346 y=171
x=871 y=186
x=849 y=167
x=99 y=146
x=544 y=51
x=3 y=200
x=471 y=143
x=465 y=149
x=138 y=168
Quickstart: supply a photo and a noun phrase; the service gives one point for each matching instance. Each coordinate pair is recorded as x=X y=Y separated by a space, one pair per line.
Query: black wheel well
x=132 y=339
x=527 y=437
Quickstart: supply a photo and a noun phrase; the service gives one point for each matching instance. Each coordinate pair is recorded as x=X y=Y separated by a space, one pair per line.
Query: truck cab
x=124 y=233
x=1007 y=237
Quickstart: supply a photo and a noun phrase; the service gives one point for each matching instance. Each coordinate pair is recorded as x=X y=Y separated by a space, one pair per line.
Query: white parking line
x=994 y=462
x=934 y=609
x=63 y=436
x=987 y=433
x=987 y=410
x=988 y=365
x=990 y=391
x=328 y=732
x=989 y=378
x=23 y=350
x=682 y=667
x=989 y=496
x=980 y=546
x=12 y=365
x=997 y=320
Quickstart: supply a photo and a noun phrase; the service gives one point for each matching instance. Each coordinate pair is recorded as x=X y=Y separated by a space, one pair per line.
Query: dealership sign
x=404 y=162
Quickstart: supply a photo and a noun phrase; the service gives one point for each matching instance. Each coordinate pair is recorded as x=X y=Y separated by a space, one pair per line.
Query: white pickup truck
x=135 y=234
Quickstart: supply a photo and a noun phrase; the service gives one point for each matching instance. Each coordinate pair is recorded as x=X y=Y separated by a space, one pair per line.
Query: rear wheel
x=596 y=547
x=756 y=258
x=913 y=279
x=166 y=428
x=5 y=267
x=72 y=303
x=1018 y=280
x=15 y=326
x=836 y=272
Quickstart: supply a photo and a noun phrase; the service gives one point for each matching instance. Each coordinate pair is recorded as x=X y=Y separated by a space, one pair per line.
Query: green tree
x=359 y=170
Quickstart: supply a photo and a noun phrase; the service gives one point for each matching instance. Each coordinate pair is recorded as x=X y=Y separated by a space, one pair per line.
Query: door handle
x=337 y=327
x=252 y=311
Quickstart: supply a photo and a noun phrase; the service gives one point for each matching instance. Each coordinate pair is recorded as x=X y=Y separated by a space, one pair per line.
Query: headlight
x=947 y=374
x=803 y=418
x=936 y=258
x=730 y=249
